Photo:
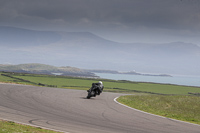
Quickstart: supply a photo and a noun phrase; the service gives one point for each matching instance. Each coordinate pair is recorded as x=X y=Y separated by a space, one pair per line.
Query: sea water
x=175 y=79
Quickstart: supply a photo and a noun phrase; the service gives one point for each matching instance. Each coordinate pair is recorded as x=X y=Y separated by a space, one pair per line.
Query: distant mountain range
x=88 y=51
x=17 y=37
x=127 y=73
x=36 y=68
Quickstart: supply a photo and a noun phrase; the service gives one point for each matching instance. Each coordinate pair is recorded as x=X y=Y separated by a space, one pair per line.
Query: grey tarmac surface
x=69 y=111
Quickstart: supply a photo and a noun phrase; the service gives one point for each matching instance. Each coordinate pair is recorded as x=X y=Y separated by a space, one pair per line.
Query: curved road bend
x=68 y=110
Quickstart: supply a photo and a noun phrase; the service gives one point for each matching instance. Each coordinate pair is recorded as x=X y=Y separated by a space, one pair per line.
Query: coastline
x=175 y=79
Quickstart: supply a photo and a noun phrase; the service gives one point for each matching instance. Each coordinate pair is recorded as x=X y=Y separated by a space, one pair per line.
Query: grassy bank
x=11 y=127
x=121 y=86
x=185 y=108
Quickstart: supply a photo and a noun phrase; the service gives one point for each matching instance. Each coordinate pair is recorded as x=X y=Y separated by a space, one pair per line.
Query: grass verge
x=11 y=127
x=185 y=108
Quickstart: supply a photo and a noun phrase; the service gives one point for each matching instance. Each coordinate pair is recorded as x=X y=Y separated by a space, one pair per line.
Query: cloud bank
x=117 y=20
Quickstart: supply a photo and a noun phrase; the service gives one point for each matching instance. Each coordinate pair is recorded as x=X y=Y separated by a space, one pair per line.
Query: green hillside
x=37 y=68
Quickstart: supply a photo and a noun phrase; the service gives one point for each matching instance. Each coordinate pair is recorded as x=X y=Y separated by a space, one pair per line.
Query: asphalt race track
x=69 y=111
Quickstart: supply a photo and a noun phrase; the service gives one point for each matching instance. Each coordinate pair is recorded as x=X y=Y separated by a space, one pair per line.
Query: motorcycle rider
x=99 y=86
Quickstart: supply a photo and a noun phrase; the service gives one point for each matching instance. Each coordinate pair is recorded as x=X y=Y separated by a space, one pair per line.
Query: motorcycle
x=93 y=91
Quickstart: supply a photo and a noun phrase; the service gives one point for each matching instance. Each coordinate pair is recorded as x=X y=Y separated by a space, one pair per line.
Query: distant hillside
x=89 y=51
x=18 y=37
x=46 y=69
x=128 y=73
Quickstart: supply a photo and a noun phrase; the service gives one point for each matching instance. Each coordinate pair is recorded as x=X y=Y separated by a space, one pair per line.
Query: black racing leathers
x=98 y=87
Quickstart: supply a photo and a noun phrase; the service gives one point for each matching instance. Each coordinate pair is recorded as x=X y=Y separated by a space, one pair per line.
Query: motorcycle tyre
x=91 y=94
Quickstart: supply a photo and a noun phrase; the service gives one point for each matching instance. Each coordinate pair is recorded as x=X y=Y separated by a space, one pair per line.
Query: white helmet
x=100 y=82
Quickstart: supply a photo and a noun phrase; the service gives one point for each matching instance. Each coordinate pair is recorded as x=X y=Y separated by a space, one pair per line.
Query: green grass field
x=110 y=85
x=11 y=127
x=185 y=108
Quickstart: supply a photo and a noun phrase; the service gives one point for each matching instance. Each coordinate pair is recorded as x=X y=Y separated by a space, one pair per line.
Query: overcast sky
x=118 y=20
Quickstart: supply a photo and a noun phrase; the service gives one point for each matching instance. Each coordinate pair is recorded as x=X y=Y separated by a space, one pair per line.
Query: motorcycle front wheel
x=90 y=94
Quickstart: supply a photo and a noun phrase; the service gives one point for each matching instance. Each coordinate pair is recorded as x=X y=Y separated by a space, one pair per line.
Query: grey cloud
x=99 y=15
x=101 y=10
